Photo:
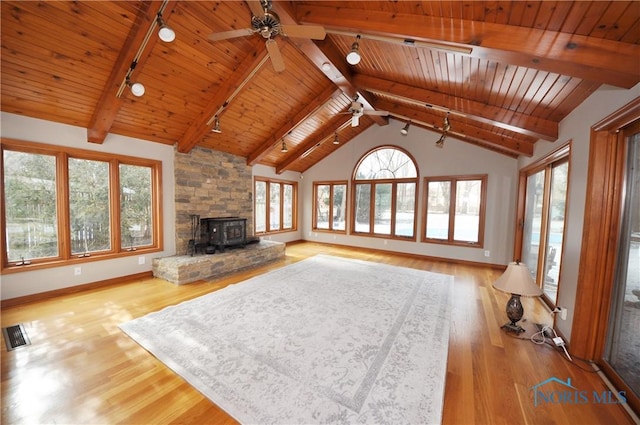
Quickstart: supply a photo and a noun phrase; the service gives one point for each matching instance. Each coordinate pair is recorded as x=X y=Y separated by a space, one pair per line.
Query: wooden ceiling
x=505 y=72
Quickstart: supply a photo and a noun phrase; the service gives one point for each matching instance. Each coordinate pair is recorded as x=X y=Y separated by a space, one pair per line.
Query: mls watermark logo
x=563 y=392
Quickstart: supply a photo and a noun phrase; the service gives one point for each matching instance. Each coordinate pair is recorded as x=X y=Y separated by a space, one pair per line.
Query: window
x=89 y=206
x=63 y=204
x=275 y=205
x=541 y=206
x=384 y=195
x=330 y=206
x=454 y=210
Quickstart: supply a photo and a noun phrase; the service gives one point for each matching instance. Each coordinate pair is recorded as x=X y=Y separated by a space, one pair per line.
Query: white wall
x=456 y=158
x=34 y=130
x=577 y=127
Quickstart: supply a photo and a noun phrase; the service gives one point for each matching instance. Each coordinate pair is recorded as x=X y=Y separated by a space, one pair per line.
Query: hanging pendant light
x=405 y=129
x=353 y=57
x=137 y=89
x=165 y=32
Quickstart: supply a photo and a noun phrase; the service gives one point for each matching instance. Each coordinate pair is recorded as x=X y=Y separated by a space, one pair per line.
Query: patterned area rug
x=324 y=340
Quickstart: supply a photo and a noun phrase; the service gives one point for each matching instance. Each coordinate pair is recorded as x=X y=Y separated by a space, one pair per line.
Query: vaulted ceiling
x=505 y=73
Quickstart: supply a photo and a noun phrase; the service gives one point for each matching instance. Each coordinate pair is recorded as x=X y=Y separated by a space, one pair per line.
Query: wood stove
x=219 y=233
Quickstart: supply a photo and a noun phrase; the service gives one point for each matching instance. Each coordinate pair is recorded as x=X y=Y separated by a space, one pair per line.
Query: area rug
x=325 y=340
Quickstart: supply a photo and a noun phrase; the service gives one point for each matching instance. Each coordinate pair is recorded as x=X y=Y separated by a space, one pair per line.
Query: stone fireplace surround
x=210 y=183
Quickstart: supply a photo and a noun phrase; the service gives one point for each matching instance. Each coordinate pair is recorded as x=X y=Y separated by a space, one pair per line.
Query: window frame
x=548 y=163
x=62 y=154
x=314 y=217
x=393 y=202
x=294 y=206
x=453 y=180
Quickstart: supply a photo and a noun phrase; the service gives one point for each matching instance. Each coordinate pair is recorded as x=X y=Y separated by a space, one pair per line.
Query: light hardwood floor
x=81 y=369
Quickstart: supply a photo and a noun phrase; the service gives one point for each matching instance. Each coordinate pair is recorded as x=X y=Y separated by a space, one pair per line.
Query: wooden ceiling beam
x=592 y=59
x=509 y=120
x=109 y=104
x=203 y=123
x=330 y=92
x=467 y=133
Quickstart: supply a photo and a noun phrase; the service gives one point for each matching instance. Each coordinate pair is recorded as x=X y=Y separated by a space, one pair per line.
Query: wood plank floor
x=81 y=369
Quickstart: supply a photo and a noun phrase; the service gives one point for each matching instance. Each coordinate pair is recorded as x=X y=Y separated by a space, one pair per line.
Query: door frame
x=601 y=236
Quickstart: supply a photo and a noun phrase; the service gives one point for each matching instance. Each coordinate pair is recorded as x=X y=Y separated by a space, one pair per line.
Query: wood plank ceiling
x=504 y=72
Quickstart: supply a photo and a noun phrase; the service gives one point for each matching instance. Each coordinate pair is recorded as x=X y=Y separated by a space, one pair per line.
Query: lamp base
x=515 y=312
x=512 y=327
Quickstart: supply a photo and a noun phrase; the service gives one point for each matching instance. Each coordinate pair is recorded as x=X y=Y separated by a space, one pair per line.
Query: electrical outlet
x=563 y=313
x=385 y=242
x=77 y=271
x=141 y=260
x=487 y=253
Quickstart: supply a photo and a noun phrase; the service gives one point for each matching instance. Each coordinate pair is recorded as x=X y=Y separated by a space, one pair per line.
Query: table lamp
x=517 y=281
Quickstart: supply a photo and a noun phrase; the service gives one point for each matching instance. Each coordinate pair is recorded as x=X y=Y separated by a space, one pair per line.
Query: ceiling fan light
x=165 y=33
x=137 y=89
x=405 y=129
x=353 y=57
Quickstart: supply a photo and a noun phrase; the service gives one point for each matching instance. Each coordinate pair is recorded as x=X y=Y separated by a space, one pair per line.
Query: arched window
x=385 y=184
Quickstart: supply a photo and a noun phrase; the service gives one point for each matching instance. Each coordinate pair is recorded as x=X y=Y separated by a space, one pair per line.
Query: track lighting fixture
x=446 y=126
x=405 y=129
x=335 y=139
x=137 y=89
x=353 y=57
x=284 y=147
x=165 y=32
x=216 y=126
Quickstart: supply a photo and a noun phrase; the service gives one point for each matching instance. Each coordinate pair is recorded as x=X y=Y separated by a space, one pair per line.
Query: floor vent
x=15 y=337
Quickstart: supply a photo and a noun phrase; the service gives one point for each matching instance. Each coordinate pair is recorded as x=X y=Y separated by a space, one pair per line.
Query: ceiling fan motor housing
x=267 y=26
x=356 y=108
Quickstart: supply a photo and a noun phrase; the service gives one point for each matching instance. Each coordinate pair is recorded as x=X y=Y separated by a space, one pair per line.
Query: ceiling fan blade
x=355 y=120
x=275 y=55
x=225 y=35
x=315 y=32
x=256 y=7
x=378 y=113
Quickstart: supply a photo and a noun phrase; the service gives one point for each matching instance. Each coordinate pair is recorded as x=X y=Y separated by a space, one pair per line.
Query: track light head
x=216 y=126
x=353 y=57
x=284 y=147
x=440 y=142
x=447 y=126
x=137 y=89
x=165 y=32
x=405 y=129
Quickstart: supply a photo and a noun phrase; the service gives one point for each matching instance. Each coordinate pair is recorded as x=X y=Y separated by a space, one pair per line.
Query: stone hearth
x=181 y=269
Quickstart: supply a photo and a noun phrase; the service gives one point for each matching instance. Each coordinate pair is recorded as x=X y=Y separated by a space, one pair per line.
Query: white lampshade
x=517 y=280
x=166 y=34
x=353 y=57
x=137 y=89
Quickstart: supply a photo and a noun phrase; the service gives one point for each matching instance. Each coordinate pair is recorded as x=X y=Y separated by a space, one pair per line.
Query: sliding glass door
x=543 y=221
x=623 y=338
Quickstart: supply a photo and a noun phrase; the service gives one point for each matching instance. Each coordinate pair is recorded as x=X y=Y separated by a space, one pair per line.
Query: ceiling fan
x=356 y=109
x=266 y=23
